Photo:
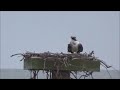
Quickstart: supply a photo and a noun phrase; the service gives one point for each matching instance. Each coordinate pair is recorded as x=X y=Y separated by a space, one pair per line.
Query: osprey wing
x=80 y=48
x=70 y=48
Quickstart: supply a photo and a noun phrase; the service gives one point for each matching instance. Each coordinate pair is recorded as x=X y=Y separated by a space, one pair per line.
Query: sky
x=42 y=31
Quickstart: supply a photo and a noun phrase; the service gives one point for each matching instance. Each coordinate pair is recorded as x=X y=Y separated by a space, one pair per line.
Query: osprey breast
x=74 y=46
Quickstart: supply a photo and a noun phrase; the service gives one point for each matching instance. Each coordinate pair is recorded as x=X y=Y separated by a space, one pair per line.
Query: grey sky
x=42 y=31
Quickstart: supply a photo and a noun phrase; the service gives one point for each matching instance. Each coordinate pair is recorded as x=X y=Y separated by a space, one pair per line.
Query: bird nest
x=62 y=59
x=59 y=56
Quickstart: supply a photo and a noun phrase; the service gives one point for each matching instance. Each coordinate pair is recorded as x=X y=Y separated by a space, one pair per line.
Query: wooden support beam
x=62 y=74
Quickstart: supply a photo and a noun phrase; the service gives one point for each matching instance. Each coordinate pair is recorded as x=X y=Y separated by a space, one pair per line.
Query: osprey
x=75 y=46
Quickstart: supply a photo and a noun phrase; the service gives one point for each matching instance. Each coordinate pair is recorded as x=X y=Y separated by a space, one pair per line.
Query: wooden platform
x=72 y=65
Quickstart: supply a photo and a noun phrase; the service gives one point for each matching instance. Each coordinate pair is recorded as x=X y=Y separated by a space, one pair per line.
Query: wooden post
x=61 y=74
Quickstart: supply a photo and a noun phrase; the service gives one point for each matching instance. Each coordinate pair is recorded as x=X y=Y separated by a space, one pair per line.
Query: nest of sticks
x=62 y=58
x=59 y=56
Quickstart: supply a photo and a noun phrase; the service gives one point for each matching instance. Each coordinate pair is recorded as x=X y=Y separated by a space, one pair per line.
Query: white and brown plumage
x=74 y=46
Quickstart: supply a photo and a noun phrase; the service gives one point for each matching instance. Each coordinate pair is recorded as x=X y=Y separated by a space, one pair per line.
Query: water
x=25 y=74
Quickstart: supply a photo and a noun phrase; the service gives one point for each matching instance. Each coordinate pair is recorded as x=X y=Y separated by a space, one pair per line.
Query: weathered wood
x=72 y=65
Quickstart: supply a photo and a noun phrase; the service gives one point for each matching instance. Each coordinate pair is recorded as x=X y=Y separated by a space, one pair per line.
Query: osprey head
x=73 y=38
